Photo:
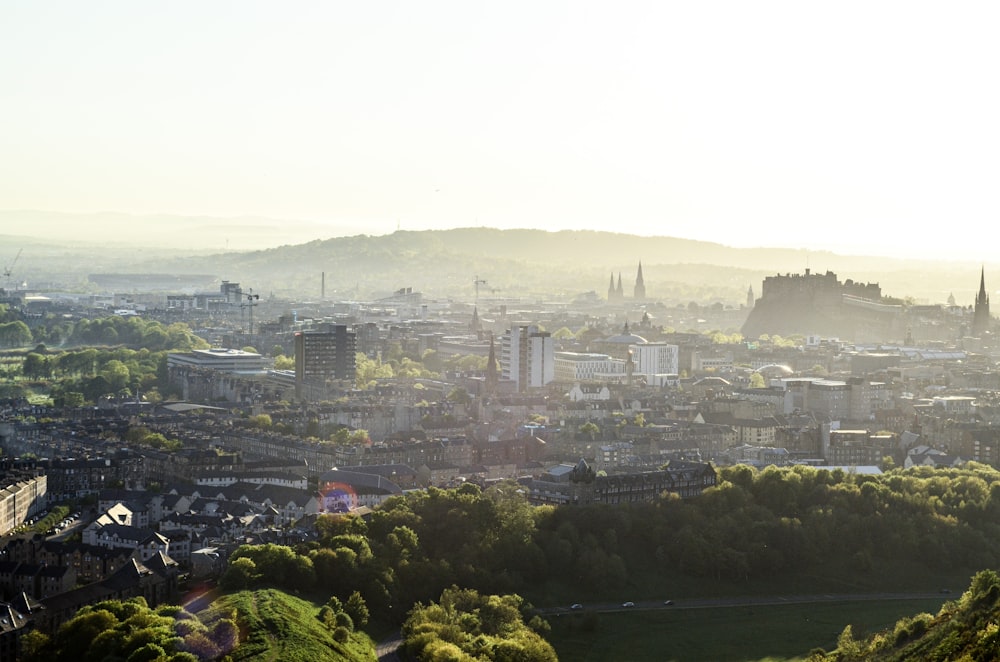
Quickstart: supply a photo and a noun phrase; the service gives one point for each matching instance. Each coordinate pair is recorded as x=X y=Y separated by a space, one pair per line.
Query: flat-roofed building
x=323 y=355
x=587 y=367
x=527 y=357
x=655 y=359
x=220 y=359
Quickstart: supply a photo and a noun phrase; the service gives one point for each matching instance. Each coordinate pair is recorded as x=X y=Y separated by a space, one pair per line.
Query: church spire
x=491 y=368
x=981 y=314
x=640 y=287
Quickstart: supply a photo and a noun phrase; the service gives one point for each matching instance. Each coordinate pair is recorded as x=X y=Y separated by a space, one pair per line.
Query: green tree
x=117 y=374
x=240 y=575
x=36 y=366
x=357 y=609
x=261 y=421
x=15 y=334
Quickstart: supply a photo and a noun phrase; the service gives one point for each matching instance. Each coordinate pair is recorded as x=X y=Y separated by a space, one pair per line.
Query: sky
x=857 y=127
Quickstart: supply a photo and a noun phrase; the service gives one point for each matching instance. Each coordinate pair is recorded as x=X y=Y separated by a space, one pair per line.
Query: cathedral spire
x=640 y=287
x=491 y=368
x=981 y=314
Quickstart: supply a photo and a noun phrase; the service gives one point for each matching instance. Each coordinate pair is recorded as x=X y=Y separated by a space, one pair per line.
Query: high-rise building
x=324 y=355
x=527 y=356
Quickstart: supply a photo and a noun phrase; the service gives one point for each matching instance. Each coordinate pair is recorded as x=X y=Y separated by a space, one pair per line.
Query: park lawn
x=735 y=634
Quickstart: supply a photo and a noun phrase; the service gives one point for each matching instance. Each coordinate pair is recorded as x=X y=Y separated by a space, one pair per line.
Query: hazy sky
x=862 y=127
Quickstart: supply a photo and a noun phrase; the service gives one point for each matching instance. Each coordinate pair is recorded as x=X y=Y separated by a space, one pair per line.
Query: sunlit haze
x=858 y=127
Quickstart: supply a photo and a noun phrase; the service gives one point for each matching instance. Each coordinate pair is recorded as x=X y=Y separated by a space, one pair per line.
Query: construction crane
x=8 y=270
x=478 y=282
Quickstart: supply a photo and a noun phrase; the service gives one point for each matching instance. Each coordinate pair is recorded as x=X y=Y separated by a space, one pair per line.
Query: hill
x=965 y=629
x=535 y=264
x=280 y=626
x=275 y=257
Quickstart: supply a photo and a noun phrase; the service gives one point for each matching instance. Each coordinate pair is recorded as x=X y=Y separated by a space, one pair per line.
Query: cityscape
x=262 y=414
x=449 y=331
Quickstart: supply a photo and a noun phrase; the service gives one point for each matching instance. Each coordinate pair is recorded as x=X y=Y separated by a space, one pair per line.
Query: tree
x=261 y=421
x=36 y=366
x=72 y=399
x=589 y=430
x=240 y=574
x=117 y=374
x=15 y=334
x=357 y=609
x=459 y=395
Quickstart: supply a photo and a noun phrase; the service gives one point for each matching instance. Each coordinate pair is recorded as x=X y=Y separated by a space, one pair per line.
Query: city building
x=651 y=359
x=587 y=367
x=527 y=357
x=324 y=355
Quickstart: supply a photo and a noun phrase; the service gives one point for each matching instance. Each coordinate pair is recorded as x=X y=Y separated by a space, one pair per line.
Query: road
x=713 y=603
x=386 y=650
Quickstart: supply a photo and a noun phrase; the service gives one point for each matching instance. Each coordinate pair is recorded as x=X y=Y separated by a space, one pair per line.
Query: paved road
x=386 y=649
x=709 y=603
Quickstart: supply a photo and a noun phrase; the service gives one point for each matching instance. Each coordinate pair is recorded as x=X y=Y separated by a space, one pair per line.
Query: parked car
x=628 y=604
x=668 y=602
x=576 y=605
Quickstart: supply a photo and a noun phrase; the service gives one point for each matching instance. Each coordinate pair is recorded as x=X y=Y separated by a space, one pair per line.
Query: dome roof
x=626 y=339
x=775 y=370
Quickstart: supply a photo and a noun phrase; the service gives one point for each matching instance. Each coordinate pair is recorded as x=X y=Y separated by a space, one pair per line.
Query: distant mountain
x=524 y=263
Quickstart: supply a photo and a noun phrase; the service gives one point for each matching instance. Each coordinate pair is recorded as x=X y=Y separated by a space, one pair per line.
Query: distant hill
x=527 y=264
x=537 y=264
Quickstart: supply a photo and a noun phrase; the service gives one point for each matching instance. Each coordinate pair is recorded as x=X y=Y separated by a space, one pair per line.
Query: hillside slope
x=278 y=626
x=966 y=629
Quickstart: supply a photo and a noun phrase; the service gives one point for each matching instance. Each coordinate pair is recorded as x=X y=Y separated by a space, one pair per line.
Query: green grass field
x=739 y=634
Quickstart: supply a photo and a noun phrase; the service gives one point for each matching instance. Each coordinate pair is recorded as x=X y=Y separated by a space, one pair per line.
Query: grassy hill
x=966 y=629
x=280 y=626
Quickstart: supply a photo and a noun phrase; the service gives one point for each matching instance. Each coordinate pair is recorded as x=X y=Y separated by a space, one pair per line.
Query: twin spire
x=616 y=293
